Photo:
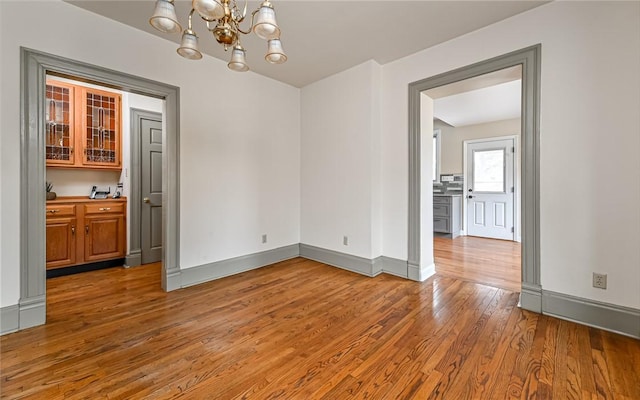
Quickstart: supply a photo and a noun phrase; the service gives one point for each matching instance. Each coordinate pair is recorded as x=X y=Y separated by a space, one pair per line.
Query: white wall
x=340 y=162
x=451 y=140
x=239 y=163
x=590 y=96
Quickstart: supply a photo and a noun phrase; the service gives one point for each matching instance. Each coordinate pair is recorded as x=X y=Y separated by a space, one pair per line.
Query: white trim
x=516 y=180
x=438 y=135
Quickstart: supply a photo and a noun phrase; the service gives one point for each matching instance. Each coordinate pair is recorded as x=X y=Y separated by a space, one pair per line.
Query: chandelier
x=223 y=19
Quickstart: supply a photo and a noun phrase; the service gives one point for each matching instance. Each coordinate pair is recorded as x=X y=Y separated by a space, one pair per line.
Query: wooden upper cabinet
x=83 y=127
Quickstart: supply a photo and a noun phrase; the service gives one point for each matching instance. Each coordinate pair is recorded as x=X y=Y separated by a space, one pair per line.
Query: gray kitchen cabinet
x=447 y=212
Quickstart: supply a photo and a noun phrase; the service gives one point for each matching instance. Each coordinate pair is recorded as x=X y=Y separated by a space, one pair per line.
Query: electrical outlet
x=345 y=240
x=264 y=238
x=599 y=280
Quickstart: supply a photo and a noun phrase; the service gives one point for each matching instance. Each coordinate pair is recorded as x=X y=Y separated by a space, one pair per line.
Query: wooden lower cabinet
x=81 y=231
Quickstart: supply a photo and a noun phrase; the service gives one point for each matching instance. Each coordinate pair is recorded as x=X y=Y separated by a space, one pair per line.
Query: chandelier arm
x=244 y=12
x=253 y=14
x=189 y=20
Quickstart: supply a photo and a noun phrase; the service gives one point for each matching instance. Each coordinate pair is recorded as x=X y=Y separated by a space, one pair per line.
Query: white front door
x=490 y=188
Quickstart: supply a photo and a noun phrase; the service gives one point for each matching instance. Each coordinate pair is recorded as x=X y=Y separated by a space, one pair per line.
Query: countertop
x=447 y=194
x=71 y=199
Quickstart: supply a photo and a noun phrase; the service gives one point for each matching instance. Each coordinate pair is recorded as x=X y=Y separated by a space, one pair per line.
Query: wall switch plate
x=264 y=238
x=345 y=240
x=599 y=280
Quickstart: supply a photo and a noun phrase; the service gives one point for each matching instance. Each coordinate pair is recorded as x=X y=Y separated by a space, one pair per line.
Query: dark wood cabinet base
x=76 y=269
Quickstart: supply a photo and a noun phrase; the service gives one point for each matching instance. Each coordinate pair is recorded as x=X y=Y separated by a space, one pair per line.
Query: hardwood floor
x=489 y=261
x=302 y=330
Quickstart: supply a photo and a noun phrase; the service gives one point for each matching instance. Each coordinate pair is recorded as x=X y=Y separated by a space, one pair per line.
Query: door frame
x=516 y=181
x=134 y=257
x=530 y=60
x=34 y=67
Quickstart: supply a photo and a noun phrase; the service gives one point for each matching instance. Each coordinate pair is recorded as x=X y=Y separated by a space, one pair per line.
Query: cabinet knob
x=469 y=197
x=146 y=200
x=86 y=229
x=73 y=230
x=53 y=211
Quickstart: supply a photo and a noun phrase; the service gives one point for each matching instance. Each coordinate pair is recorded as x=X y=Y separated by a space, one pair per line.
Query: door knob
x=146 y=200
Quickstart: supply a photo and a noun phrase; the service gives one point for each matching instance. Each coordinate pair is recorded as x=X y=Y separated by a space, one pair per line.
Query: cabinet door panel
x=101 y=128
x=441 y=225
x=104 y=237
x=59 y=123
x=61 y=242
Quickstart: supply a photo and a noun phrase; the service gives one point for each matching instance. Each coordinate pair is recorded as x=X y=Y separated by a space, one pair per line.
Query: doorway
x=35 y=65
x=477 y=124
x=420 y=228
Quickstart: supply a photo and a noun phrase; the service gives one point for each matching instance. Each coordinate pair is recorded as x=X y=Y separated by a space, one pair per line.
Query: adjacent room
x=323 y=200
x=476 y=178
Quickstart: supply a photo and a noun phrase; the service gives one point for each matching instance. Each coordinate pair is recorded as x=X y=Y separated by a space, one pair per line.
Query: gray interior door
x=151 y=190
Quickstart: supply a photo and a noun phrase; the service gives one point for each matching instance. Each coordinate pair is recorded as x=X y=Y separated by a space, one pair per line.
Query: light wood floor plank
x=489 y=261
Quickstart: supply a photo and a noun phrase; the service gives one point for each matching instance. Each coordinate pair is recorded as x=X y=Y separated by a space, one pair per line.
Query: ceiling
x=486 y=98
x=322 y=38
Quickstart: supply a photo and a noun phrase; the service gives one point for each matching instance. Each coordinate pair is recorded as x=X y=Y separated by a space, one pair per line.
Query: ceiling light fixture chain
x=223 y=19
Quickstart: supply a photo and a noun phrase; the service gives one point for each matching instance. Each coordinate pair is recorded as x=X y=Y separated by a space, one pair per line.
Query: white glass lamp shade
x=265 y=26
x=275 y=53
x=164 y=17
x=189 y=46
x=238 y=61
x=209 y=9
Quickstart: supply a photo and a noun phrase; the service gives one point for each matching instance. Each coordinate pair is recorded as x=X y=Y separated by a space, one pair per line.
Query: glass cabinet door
x=59 y=123
x=102 y=128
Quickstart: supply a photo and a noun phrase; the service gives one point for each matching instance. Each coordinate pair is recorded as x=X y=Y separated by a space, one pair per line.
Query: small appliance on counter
x=99 y=193
x=118 y=192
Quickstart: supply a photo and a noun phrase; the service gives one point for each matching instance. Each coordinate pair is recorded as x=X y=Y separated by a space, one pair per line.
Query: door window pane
x=488 y=171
